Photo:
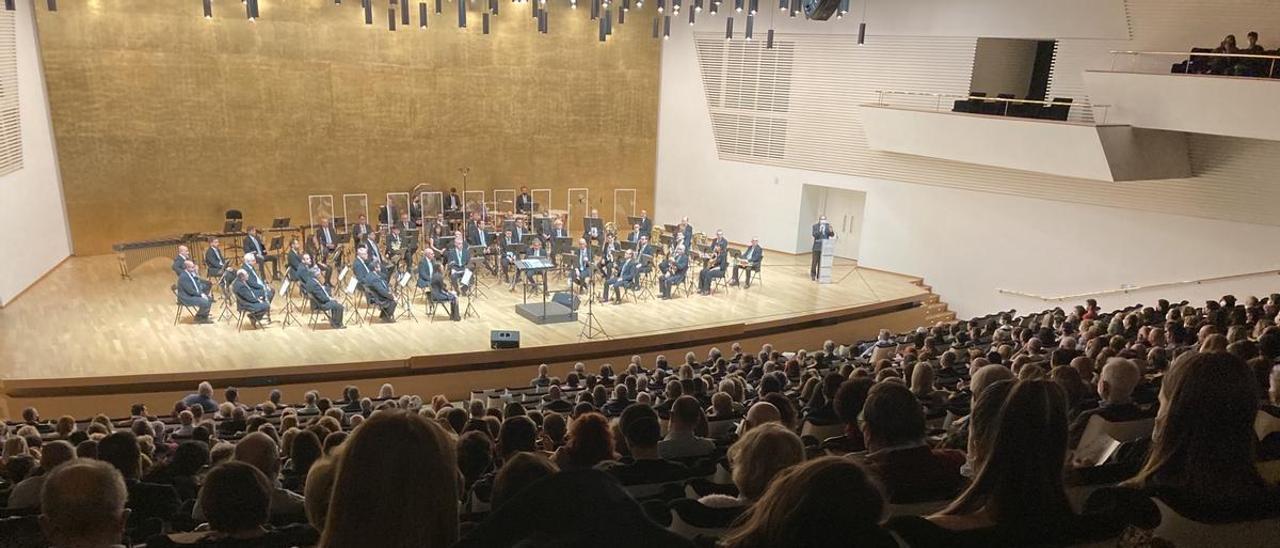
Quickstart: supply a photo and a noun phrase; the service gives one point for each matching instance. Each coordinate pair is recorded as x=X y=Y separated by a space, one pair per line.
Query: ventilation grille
x=10 y=120
x=748 y=94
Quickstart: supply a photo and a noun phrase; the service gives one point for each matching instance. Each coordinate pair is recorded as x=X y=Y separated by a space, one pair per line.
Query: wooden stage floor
x=82 y=320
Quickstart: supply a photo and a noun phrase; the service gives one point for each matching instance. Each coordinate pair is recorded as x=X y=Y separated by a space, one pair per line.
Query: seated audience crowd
x=1225 y=62
x=1059 y=428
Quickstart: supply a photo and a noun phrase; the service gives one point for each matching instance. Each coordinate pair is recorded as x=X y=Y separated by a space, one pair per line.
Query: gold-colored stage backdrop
x=165 y=119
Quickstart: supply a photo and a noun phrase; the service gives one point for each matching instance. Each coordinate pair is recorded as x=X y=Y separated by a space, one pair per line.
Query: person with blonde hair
x=757 y=458
x=396 y=486
x=830 y=502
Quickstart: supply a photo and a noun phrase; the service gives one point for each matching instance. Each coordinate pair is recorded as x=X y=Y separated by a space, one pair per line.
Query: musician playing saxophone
x=714 y=269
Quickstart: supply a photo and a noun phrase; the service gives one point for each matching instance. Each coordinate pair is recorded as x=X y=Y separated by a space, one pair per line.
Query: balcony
x=1236 y=101
x=1032 y=136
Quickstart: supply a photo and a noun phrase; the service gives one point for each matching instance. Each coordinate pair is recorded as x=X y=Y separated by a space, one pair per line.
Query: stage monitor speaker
x=566 y=299
x=501 y=338
x=820 y=10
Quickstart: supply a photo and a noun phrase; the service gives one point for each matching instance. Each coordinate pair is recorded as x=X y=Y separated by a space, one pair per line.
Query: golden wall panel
x=165 y=119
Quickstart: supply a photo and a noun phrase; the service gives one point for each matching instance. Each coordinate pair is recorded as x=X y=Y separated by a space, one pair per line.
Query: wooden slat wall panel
x=831 y=75
x=10 y=120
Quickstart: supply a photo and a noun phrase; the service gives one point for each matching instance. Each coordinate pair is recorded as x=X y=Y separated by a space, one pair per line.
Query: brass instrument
x=611 y=229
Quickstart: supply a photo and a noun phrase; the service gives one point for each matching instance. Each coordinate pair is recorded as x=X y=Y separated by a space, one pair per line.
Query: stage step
x=935 y=310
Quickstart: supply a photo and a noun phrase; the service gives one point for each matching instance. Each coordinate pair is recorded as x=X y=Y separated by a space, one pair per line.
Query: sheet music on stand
x=633 y=221
x=562 y=245
x=541 y=225
x=466 y=277
x=593 y=226
x=280 y=222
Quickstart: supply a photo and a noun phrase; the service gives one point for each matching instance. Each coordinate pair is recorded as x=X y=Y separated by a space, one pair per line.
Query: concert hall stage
x=82 y=333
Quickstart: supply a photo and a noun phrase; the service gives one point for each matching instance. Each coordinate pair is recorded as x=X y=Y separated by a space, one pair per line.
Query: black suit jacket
x=150 y=500
x=317 y=291
x=253 y=245
x=426 y=272
x=187 y=289
x=214 y=262
x=457 y=258
x=452 y=201
x=753 y=254
x=327 y=237
x=819 y=234
x=245 y=295
x=474 y=233
x=179 y=264
x=524 y=203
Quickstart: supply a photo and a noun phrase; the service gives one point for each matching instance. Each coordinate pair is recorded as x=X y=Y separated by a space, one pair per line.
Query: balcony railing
x=936 y=102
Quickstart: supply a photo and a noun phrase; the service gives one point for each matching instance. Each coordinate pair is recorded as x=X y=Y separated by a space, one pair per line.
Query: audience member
x=83 y=505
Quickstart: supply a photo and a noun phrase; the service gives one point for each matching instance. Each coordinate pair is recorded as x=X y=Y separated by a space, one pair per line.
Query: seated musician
x=321 y=258
x=508 y=256
x=249 y=299
x=627 y=274
x=396 y=248
x=673 y=271
x=549 y=239
x=635 y=234
x=535 y=250
x=686 y=230
x=646 y=224
x=451 y=200
x=436 y=230
x=714 y=269
x=477 y=236
x=432 y=275
x=458 y=257
x=214 y=263
x=581 y=272
x=644 y=255
x=318 y=294
x=293 y=260
x=325 y=235
x=720 y=240
x=590 y=231
x=749 y=259
x=193 y=291
x=179 y=262
x=253 y=244
x=376 y=288
x=519 y=231
x=607 y=250
x=524 y=201
x=255 y=282
x=360 y=230
x=375 y=256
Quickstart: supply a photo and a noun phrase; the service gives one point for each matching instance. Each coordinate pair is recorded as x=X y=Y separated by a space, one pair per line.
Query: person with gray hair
x=249 y=299
x=194 y=291
x=82 y=504
x=254 y=279
x=259 y=450
x=1116 y=384
x=26 y=494
x=203 y=398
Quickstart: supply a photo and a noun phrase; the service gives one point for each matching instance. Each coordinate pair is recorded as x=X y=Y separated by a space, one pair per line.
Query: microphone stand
x=591 y=327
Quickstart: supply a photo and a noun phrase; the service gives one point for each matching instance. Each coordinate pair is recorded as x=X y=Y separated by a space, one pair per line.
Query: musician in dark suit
x=255 y=282
x=751 y=257
x=395 y=251
x=435 y=230
x=720 y=240
x=644 y=255
x=634 y=235
x=406 y=223
x=376 y=261
x=193 y=291
x=685 y=229
x=458 y=258
x=432 y=275
x=608 y=248
x=180 y=262
x=581 y=272
x=589 y=230
x=215 y=264
x=249 y=299
x=557 y=231
x=821 y=231
x=319 y=295
x=360 y=230
x=293 y=259
x=451 y=200
x=714 y=269
x=535 y=250
x=320 y=258
x=507 y=256
x=524 y=201
x=376 y=288
x=674 y=269
x=626 y=277
x=253 y=243
x=326 y=235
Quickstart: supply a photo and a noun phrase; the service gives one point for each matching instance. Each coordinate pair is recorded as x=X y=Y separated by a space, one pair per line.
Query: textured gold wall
x=165 y=119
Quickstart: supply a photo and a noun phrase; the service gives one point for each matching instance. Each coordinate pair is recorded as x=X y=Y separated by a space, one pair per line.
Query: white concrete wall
x=967 y=244
x=34 y=237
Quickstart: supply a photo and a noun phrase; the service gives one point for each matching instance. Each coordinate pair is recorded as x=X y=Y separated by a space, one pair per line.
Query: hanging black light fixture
x=462 y=14
x=53 y=6
x=693 y=17
x=404 y=13
x=750 y=25
x=422 y=15
x=666 y=27
x=768 y=43
x=248 y=10
x=439 y=7
x=728 y=28
x=8 y=5
x=208 y=7
x=862 y=27
x=368 y=12
x=655 y=27
x=603 y=31
x=391 y=16
x=484 y=23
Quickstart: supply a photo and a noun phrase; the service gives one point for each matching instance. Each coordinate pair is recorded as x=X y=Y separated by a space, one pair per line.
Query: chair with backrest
x=316 y=312
x=821 y=431
x=177 y=316
x=1120 y=431
x=1183 y=531
x=701 y=523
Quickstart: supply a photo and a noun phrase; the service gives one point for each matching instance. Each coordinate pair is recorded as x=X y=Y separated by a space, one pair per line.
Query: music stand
x=541 y=225
x=340 y=224
x=280 y=222
x=593 y=225
x=233 y=226
x=671 y=228
x=633 y=221
x=627 y=245
x=444 y=242
x=277 y=242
